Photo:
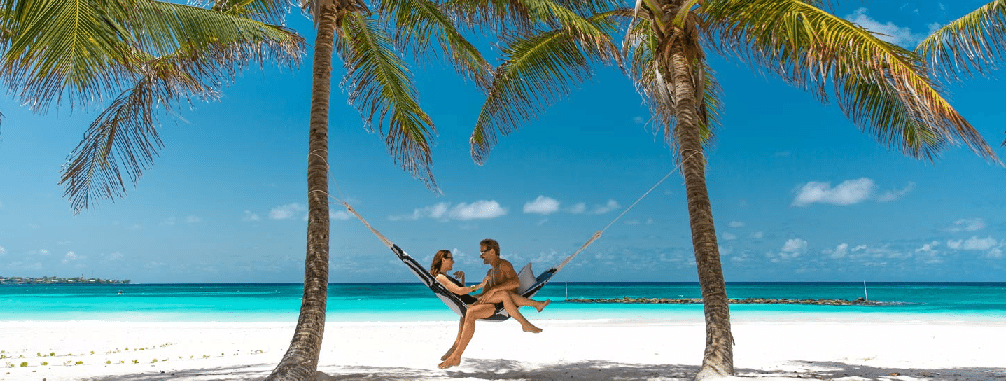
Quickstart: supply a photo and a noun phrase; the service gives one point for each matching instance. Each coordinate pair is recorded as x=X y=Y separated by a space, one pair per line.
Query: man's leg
x=475 y=312
x=461 y=324
x=511 y=308
x=521 y=301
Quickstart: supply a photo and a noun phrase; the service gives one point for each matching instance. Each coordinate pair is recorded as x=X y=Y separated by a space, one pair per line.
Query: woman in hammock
x=443 y=261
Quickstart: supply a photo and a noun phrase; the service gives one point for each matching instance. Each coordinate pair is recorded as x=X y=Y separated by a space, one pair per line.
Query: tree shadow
x=500 y=369
x=482 y=369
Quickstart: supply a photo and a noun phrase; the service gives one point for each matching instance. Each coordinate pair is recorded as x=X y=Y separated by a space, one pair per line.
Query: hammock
x=529 y=284
x=459 y=303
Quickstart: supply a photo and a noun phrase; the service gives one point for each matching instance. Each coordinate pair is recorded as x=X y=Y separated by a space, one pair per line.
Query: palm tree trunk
x=301 y=360
x=718 y=357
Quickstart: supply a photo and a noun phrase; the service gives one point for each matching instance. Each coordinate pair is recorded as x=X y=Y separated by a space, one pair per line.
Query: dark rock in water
x=819 y=302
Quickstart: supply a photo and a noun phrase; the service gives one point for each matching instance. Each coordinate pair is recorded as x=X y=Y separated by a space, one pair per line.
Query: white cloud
x=435 y=211
x=840 y=251
x=463 y=212
x=2 y=251
x=114 y=256
x=193 y=219
x=888 y=32
x=995 y=253
x=169 y=222
x=758 y=235
x=249 y=216
x=70 y=257
x=43 y=252
x=736 y=224
x=286 y=212
x=541 y=205
x=477 y=210
x=973 y=243
x=847 y=193
x=794 y=245
x=135 y=227
x=896 y=194
x=602 y=209
x=928 y=247
x=578 y=208
x=967 y=225
x=639 y=120
x=340 y=215
x=729 y=237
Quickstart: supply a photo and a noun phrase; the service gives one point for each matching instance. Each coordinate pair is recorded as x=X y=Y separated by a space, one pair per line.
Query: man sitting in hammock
x=501 y=288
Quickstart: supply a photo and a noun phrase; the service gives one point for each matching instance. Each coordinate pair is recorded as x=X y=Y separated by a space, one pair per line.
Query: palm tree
x=881 y=87
x=141 y=53
x=380 y=86
x=970 y=44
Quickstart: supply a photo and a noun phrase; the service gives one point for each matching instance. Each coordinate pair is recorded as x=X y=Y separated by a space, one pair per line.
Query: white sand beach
x=566 y=350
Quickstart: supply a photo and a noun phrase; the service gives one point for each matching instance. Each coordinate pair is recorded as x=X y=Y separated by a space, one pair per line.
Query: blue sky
x=799 y=193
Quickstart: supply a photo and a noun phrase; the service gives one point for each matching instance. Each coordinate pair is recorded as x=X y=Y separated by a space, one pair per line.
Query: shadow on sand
x=481 y=369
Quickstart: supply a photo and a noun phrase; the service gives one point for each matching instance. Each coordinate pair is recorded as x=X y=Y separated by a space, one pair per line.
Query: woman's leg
x=475 y=312
x=461 y=324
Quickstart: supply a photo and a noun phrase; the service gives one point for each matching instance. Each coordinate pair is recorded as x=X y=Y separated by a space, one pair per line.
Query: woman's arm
x=453 y=287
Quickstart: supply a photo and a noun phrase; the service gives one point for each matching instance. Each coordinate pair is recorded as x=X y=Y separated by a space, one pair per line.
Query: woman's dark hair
x=438 y=260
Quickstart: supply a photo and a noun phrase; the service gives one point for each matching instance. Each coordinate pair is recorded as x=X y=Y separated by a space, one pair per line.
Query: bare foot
x=531 y=328
x=449 y=363
x=543 y=305
x=448 y=354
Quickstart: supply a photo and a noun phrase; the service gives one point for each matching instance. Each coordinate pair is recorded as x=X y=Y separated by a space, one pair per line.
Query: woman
x=443 y=261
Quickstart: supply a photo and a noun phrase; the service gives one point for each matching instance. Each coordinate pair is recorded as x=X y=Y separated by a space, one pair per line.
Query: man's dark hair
x=490 y=243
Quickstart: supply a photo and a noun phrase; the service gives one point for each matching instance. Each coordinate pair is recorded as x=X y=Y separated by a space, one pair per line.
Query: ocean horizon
x=412 y=301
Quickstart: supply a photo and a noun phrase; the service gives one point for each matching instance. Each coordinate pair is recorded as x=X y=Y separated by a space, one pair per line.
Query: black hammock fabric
x=459 y=303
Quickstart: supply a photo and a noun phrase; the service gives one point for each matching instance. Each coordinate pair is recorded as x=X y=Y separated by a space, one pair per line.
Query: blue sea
x=414 y=302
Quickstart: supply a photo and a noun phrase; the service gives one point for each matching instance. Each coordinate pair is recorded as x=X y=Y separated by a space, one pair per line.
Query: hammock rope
x=387 y=242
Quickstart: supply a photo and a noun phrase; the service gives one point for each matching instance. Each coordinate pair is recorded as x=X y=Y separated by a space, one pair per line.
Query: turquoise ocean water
x=414 y=302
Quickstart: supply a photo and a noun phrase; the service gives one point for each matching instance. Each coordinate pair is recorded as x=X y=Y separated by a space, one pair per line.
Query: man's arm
x=506 y=279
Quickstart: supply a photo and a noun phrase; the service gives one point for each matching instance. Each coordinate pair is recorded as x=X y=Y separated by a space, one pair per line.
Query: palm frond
x=536 y=72
x=420 y=21
x=523 y=17
x=882 y=88
x=970 y=44
x=638 y=48
x=490 y=15
x=168 y=28
x=89 y=49
x=125 y=134
x=63 y=46
x=381 y=87
x=267 y=11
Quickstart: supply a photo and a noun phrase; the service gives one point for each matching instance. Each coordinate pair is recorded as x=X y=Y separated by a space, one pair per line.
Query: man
x=501 y=287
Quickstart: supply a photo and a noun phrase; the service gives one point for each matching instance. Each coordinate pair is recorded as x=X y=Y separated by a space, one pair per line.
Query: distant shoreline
x=818 y=302
x=55 y=280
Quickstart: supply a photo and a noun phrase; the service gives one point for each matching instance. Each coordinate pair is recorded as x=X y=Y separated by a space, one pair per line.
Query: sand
x=566 y=350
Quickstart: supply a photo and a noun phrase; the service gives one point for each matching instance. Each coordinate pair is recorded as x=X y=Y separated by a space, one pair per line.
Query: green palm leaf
x=970 y=44
x=420 y=21
x=62 y=47
x=882 y=88
x=536 y=72
x=380 y=86
x=88 y=49
x=638 y=51
x=124 y=136
x=521 y=17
